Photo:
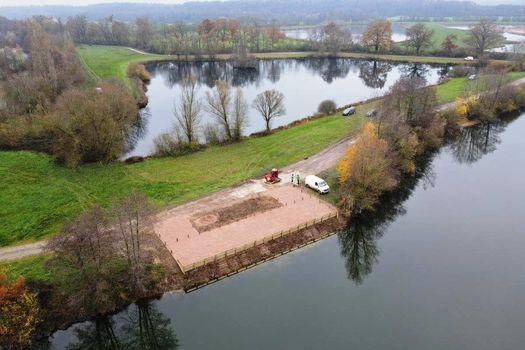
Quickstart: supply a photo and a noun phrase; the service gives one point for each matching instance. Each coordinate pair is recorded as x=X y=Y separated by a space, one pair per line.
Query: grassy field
x=440 y=33
x=40 y=195
x=31 y=267
x=455 y=87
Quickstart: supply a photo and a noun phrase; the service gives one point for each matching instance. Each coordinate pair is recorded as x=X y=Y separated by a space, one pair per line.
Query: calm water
x=438 y=266
x=305 y=83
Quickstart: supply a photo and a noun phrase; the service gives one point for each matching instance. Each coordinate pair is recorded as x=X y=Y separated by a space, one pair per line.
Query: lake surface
x=305 y=83
x=440 y=265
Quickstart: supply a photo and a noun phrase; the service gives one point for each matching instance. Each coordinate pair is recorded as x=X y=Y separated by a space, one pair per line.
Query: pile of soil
x=210 y=220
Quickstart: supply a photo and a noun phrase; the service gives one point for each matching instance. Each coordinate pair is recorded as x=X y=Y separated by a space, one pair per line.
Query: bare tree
x=132 y=218
x=86 y=246
x=484 y=36
x=270 y=104
x=419 y=37
x=187 y=111
x=334 y=38
x=449 y=43
x=239 y=113
x=218 y=105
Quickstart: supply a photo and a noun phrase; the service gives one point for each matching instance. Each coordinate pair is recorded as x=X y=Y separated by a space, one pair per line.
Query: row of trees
x=407 y=124
x=377 y=37
x=227 y=106
x=207 y=37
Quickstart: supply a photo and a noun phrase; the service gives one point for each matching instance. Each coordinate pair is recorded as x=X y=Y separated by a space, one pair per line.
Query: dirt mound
x=210 y=220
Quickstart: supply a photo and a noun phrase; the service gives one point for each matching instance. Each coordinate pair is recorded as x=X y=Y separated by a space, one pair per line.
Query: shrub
x=365 y=171
x=212 y=134
x=137 y=70
x=460 y=71
x=92 y=126
x=171 y=145
x=327 y=107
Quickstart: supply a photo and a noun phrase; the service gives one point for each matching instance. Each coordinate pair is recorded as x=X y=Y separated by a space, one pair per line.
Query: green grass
x=111 y=61
x=40 y=195
x=455 y=87
x=31 y=267
x=440 y=33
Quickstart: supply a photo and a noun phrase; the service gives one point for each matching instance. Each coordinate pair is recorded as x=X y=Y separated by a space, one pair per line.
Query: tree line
x=208 y=37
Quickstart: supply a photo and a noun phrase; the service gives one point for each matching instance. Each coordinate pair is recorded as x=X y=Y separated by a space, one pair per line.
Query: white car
x=316 y=184
x=469 y=58
x=349 y=111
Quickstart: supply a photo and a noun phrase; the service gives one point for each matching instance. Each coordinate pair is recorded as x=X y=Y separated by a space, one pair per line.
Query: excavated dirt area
x=207 y=221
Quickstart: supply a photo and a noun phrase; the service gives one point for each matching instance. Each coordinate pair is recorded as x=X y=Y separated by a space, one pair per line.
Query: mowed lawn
x=103 y=62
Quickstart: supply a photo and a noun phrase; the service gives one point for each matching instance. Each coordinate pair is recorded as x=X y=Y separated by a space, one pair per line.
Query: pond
x=305 y=83
x=439 y=265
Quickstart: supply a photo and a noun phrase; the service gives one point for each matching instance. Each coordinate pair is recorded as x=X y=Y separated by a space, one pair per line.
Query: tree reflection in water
x=358 y=240
x=142 y=327
x=414 y=70
x=374 y=73
x=474 y=142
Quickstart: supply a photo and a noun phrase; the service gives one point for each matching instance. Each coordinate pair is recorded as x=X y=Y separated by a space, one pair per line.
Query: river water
x=305 y=83
x=439 y=265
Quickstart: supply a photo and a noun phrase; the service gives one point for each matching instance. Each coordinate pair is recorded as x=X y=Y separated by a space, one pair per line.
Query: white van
x=317 y=184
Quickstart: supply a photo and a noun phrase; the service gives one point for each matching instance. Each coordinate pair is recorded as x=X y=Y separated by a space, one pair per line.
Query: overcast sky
x=88 y=2
x=84 y=2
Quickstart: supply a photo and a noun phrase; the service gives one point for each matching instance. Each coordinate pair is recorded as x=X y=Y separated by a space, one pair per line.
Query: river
x=439 y=265
x=304 y=82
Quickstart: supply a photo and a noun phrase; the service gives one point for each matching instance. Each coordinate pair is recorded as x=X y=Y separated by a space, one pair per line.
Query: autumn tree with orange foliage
x=19 y=314
x=365 y=171
x=378 y=35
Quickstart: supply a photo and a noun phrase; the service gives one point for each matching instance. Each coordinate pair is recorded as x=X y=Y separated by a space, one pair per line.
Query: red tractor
x=272 y=177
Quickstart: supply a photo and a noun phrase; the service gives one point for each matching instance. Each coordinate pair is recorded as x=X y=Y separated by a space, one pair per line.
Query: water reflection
x=304 y=82
x=374 y=73
x=142 y=327
x=475 y=142
x=415 y=70
x=358 y=240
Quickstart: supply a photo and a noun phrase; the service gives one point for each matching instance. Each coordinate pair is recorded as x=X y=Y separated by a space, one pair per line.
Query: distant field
x=440 y=33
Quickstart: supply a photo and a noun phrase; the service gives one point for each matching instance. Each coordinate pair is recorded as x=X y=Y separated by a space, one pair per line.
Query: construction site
x=249 y=217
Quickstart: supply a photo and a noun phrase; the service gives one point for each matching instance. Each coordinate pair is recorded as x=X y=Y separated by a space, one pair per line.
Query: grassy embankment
x=440 y=33
x=40 y=195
